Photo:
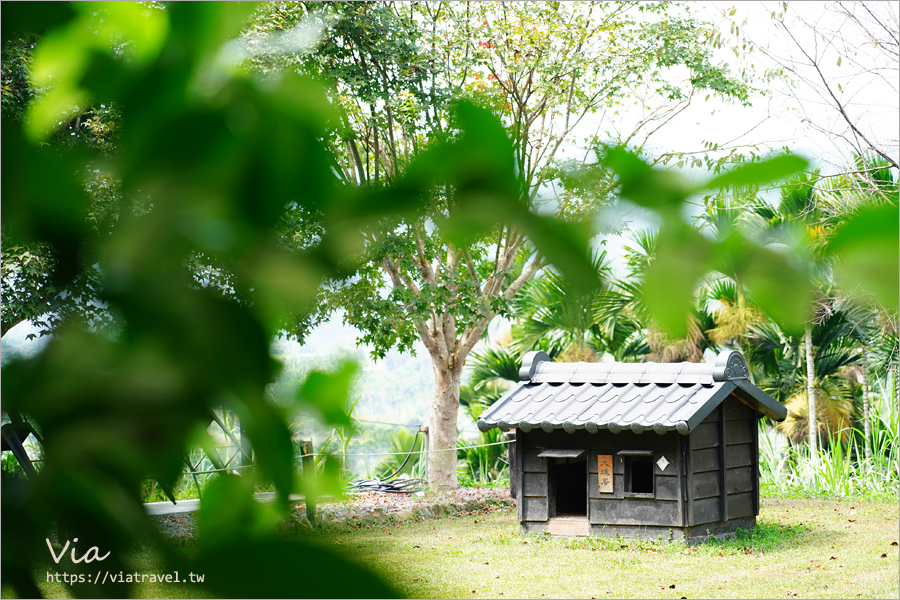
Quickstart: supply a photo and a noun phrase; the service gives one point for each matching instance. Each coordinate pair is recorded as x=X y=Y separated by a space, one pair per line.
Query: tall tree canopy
x=543 y=68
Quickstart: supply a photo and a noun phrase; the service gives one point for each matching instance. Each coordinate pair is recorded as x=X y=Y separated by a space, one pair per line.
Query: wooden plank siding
x=724 y=468
x=535 y=487
x=634 y=511
x=706 y=435
x=707 y=459
x=710 y=484
x=534 y=484
x=706 y=485
x=742 y=460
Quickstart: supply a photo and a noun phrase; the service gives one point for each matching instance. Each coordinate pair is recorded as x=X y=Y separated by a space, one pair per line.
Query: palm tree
x=778 y=361
x=796 y=222
x=552 y=316
x=872 y=182
x=494 y=369
x=659 y=347
x=732 y=312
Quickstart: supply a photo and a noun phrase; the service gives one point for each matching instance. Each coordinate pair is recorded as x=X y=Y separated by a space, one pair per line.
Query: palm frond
x=834 y=412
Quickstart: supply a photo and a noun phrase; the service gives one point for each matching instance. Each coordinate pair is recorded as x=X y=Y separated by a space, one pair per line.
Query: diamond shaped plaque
x=662 y=463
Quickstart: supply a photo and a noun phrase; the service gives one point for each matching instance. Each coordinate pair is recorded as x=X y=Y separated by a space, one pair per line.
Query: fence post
x=511 y=453
x=245 y=448
x=309 y=472
x=424 y=455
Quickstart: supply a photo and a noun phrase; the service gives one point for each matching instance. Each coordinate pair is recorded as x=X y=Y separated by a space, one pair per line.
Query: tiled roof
x=616 y=396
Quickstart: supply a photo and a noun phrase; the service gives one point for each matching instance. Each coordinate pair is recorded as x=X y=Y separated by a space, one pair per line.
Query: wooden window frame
x=627 y=456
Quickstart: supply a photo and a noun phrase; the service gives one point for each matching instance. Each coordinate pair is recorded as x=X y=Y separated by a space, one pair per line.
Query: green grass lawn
x=803 y=548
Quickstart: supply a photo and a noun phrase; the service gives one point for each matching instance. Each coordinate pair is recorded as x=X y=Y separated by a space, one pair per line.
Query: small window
x=638 y=475
x=638 y=468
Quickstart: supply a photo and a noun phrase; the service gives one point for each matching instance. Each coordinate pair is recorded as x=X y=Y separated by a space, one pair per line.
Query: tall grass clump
x=842 y=468
x=482 y=463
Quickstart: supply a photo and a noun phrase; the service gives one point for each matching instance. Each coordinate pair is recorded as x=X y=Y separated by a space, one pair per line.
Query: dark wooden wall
x=603 y=509
x=710 y=485
x=723 y=465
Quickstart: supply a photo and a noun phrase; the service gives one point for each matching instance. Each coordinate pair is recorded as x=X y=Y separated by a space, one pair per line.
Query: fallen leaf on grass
x=893 y=543
x=884 y=556
x=832 y=558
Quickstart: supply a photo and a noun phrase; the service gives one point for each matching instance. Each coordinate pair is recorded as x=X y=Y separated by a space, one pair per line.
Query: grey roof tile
x=615 y=396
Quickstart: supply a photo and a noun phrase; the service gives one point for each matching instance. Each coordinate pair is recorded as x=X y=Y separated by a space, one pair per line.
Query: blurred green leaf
x=43 y=199
x=229 y=512
x=114 y=23
x=272 y=446
x=775 y=280
x=291 y=568
x=19 y=18
x=766 y=171
x=63 y=57
x=324 y=480
x=867 y=247
x=653 y=188
x=285 y=284
x=682 y=257
x=566 y=245
x=329 y=391
x=479 y=167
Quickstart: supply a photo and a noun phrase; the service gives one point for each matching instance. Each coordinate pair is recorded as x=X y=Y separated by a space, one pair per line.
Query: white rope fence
x=313 y=454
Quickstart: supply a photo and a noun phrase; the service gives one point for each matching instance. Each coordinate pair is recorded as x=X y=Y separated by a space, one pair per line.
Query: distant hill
x=396 y=389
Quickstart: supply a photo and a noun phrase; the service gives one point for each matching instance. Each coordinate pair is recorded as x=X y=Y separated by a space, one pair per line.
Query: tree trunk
x=442 y=427
x=896 y=381
x=7 y=325
x=811 y=396
x=867 y=426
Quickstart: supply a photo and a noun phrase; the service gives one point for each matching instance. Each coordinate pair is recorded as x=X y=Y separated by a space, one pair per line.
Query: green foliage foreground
x=209 y=159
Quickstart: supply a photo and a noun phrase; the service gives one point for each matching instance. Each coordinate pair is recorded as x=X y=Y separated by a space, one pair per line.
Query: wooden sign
x=605 y=473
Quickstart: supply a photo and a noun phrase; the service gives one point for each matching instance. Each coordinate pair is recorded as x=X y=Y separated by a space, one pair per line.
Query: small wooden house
x=642 y=450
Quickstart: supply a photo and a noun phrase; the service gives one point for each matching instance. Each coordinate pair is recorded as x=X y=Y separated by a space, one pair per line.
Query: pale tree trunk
x=442 y=427
x=867 y=426
x=897 y=381
x=811 y=396
x=448 y=347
